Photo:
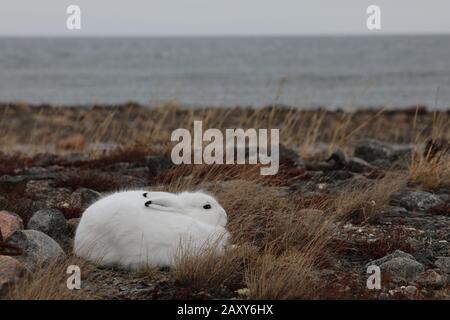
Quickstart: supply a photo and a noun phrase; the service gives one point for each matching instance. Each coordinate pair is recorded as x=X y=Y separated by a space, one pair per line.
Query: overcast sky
x=221 y=17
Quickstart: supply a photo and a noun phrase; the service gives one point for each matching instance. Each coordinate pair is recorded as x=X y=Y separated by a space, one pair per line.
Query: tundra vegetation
x=352 y=189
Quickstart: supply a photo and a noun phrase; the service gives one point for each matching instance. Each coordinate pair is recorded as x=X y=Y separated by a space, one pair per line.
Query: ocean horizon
x=348 y=72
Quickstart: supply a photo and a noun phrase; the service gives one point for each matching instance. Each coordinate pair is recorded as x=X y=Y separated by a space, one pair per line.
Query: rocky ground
x=42 y=197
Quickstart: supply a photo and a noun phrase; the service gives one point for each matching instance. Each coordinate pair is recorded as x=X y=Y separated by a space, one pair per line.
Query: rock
x=430 y=278
x=410 y=290
x=40 y=173
x=338 y=159
x=72 y=225
x=402 y=153
x=396 y=211
x=9 y=223
x=418 y=200
x=51 y=222
x=9 y=184
x=403 y=268
x=157 y=164
x=395 y=254
x=371 y=150
x=400 y=265
x=83 y=197
x=11 y=271
x=443 y=263
x=359 y=165
x=381 y=163
x=38 y=248
x=290 y=157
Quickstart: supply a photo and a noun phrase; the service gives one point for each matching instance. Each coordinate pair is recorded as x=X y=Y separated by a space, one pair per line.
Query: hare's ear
x=162 y=202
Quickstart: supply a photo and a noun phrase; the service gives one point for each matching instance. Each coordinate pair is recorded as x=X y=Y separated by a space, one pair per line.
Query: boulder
x=403 y=268
x=11 y=271
x=401 y=265
x=38 y=248
x=371 y=150
x=359 y=165
x=51 y=222
x=443 y=263
x=157 y=163
x=9 y=223
x=83 y=197
x=418 y=200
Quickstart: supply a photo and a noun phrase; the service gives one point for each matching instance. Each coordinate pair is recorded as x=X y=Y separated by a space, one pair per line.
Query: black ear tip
x=144 y=194
x=148 y=203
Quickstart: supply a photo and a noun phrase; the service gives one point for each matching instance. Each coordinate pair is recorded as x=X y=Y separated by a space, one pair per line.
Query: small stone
x=359 y=165
x=403 y=268
x=51 y=222
x=443 y=263
x=38 y=248
x=430 y=278
x=157 y=164
x=9 y=223
x=418 y=200
x=371 y=150
x=11 y=271
x=84 y=197
x=395 y=254
x=411 y=290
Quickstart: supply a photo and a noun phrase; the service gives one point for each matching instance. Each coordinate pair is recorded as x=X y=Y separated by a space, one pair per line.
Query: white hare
x=135 y=229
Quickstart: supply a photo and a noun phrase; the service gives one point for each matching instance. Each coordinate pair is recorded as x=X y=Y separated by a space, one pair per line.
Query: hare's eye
x=207 y=206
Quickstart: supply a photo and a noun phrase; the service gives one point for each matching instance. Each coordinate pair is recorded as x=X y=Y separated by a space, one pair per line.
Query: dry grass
x=41 y=128
x=366 y=202
x=280 y=245
x=208 y=270
x=430 y=173
x=293 y=275
x=49 y=282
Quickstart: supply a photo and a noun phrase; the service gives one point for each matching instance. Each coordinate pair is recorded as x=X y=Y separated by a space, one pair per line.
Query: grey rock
x=431 y=278
x=402 y=153
x=403 y=268
x=418 y=200
x=443 y=263
x=400 y=265
x=382 y=163
x=396 y=211
x=51 y=222
x=395 y=254
x=84 y=197
x=338 y=159
x=38 y=248
x=289 y=156
x=157 y=164
x=371 y=150
x=359 y=165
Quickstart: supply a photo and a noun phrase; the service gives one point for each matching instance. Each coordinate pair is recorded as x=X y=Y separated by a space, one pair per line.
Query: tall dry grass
x=49 y=282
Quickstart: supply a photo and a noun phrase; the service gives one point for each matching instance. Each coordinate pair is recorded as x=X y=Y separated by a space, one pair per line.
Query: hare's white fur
x=125 y=229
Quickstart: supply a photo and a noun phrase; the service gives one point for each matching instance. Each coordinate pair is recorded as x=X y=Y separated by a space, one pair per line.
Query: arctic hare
x=135 y=229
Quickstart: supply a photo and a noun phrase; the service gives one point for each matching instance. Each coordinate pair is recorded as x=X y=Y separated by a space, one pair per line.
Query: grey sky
x=222 y=17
